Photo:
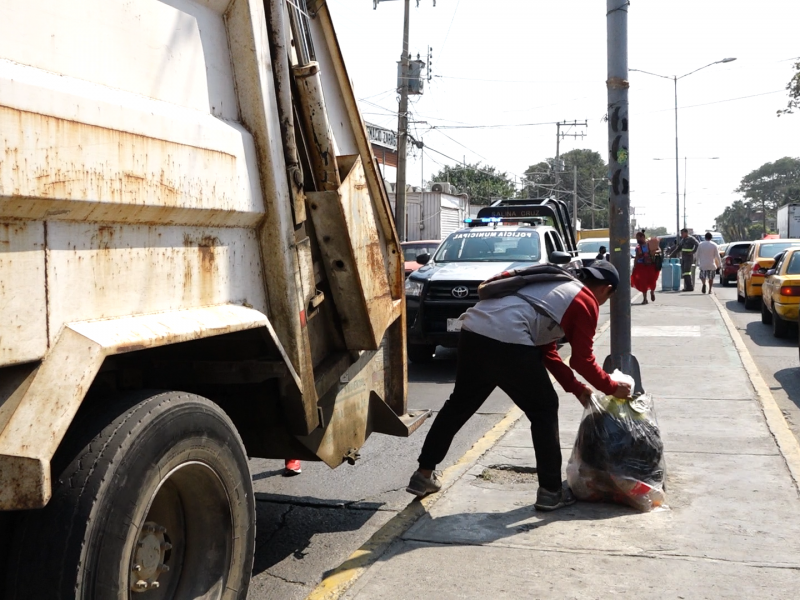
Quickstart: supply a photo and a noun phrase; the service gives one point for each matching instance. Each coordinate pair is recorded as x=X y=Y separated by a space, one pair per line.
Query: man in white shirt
x=708 y=262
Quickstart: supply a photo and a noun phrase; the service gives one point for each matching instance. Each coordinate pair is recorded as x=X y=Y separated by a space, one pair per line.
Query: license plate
x=453 y=325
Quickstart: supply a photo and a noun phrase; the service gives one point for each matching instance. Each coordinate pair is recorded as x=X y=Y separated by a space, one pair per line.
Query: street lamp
x=685 y=158
x=675 y=79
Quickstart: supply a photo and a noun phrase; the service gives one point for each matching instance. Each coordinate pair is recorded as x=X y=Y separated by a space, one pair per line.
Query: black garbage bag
x=618 y=454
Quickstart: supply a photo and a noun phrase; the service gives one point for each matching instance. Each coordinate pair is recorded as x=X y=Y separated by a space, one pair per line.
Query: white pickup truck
x=197 y=264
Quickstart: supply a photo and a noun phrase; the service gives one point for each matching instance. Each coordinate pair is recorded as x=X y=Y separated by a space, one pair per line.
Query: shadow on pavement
x=761 y=335
x=470 y=529
x=285 y=530
x=790 y=382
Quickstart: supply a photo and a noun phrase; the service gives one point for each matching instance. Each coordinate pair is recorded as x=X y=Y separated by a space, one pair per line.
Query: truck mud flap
x=383 y=419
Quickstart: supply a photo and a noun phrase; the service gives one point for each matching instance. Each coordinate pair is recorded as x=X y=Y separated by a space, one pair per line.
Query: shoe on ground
x=547 y=500
x=420 y=486
x=292 y=468
x=704 y=289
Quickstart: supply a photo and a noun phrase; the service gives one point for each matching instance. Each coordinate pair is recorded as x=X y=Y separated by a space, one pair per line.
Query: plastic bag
x=618 y=454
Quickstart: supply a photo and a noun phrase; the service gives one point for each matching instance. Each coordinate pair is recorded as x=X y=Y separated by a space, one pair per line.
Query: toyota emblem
x=460 y=291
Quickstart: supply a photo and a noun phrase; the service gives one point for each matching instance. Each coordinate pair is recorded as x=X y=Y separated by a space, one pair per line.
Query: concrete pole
x=575 y=199
x=677 y=174
x=619 y=199
x=402 y=136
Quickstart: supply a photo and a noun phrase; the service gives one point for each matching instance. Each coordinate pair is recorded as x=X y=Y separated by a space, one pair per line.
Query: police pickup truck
x=507 y=235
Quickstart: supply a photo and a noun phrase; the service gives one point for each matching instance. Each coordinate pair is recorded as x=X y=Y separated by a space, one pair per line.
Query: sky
x=505 y=71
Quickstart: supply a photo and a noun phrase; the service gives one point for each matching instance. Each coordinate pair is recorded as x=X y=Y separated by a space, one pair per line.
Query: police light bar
x=485 y=220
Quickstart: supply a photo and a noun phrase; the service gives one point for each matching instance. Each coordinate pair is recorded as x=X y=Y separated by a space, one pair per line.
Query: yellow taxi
x=781 y=292
x=752 y=271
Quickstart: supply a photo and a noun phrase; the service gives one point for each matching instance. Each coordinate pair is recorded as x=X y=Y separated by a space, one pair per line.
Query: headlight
x=413 y=288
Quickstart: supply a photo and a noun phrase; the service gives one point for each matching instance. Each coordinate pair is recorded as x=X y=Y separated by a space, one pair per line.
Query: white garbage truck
x=197 y=265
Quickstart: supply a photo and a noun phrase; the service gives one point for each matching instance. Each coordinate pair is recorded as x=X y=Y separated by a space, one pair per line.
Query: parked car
x=439 y=292
x=781 y=293
x=588 y=249
x=411 y=250
x=760 y=258
x=731 y=258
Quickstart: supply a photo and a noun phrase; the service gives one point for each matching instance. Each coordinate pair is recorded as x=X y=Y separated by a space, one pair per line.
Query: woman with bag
x=645 y=271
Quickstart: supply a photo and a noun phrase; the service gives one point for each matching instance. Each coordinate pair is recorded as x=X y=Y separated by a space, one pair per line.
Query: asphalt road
x=309 y=524
x=777 y=359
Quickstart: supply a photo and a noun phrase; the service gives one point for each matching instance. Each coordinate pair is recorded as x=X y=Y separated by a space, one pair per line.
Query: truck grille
x=442 y=291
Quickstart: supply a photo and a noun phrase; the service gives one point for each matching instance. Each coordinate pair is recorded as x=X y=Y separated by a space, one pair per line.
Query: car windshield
x=412 y=251
x=738 y=251
x=592 y=246
x=771 y=249
x=490 y=246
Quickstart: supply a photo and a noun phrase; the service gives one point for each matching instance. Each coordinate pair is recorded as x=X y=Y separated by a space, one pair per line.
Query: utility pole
x=619 y=201
x=575 y=199
x=559 y=136
x=402 y=135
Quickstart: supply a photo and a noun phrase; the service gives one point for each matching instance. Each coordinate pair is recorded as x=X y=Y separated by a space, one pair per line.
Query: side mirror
x=423 y=258
x=560 y=258
x=770 y=272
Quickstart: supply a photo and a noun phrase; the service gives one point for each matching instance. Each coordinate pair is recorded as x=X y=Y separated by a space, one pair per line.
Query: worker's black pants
x=518 y=370
x=686 y=270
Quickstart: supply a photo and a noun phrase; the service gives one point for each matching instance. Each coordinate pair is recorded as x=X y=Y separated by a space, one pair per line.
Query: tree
x=483 y=183
x=793 y=87
x=736 y=223
x=540 y=181
x=771 y=185
x=655 y=231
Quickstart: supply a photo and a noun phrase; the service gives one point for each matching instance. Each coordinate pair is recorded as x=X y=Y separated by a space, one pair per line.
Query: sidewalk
x=733 y=530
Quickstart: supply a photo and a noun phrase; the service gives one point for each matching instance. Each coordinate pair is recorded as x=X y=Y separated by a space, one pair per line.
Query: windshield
x=738 y=251
x=490 y=246
x=592 y=245
x=412 y=251
x=770 y=250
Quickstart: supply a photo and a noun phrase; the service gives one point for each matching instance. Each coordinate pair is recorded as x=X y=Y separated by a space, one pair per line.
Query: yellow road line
x=776 y=422
x=346 y=574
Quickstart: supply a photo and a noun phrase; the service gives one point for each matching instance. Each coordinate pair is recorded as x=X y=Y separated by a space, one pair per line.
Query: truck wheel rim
x=184 y=546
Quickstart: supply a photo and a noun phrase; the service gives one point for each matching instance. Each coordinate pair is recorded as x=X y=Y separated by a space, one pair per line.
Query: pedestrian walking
x=510 y=342
x=601 y=254
x=686 y=248
x=645 y=272
x=708 y=262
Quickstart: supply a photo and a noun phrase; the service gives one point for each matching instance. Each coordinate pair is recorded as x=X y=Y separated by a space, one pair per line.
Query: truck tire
x=153 y=495
x=421 y=353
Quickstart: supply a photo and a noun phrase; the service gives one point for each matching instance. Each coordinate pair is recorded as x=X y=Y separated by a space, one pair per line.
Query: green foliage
x=793 y=87
x=483 y=183
x=736 y=223
x=772 y=185
x=655 y=231
x=540 y=181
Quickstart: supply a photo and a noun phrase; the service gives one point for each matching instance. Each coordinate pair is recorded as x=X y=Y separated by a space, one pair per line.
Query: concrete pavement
x=733 y=528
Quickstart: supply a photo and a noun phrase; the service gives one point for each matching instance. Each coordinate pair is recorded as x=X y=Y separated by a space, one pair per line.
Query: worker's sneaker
x=547 y=500
x=422 y=486
x=704 y=289
x=292 y=468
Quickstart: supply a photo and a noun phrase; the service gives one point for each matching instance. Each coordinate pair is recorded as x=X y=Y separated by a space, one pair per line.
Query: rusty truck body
x=197 y=264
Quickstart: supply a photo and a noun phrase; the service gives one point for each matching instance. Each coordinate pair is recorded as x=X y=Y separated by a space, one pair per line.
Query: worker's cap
x=603 y=270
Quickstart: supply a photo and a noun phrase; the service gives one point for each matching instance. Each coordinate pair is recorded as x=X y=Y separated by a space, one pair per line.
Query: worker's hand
x=623 y=391
x=585 y=397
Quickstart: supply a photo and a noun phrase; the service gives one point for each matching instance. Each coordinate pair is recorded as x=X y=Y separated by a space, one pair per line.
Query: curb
x=788 y=445
x=345 y=575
